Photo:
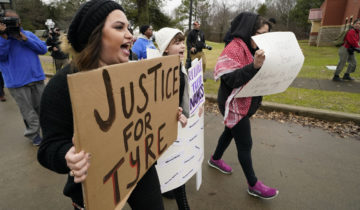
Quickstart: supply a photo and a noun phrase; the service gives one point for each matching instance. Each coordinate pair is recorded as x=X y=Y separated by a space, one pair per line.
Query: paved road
x=311 y=168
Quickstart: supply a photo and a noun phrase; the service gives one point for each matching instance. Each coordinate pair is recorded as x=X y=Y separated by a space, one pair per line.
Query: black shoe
x=336 y=78
x=347 y=77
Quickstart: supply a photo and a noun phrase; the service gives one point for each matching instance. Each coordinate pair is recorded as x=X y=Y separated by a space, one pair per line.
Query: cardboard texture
x=125 y=116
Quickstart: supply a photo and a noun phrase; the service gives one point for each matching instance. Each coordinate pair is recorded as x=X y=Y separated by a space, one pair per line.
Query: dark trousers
x=345 y=56
x=2 y=93
x=147 y=193
x=241 y=133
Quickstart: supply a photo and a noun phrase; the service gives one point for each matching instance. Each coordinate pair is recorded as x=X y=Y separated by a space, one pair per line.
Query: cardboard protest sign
x=196 y=85
x=125 y=116
x=184 y=157
x=283 y=62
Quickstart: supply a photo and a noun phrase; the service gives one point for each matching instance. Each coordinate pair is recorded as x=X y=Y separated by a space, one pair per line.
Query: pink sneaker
x=262 y=191
x=220 y=165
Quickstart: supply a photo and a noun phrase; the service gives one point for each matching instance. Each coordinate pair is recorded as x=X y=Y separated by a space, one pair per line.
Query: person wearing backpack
x=346 y=52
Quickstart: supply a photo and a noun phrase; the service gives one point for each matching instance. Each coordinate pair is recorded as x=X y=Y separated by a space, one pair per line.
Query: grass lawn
x=330 y=100
x=49 y=68
x=316 y=60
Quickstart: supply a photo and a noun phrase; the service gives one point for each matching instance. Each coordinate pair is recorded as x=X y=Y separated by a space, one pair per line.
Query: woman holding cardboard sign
x=98 y=36
x=237 y=64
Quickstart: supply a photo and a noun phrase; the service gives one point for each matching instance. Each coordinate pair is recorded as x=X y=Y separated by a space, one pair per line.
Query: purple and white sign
x=196 y=85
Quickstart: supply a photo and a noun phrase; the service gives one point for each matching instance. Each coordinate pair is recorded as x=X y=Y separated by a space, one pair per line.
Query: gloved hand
x=357 y=49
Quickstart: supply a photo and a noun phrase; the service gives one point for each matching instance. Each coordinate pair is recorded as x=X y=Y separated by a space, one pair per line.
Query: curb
x=303 y=111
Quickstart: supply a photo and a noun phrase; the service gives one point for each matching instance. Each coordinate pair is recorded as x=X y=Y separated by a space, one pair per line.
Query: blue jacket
x=19 y=60
x=140 y=47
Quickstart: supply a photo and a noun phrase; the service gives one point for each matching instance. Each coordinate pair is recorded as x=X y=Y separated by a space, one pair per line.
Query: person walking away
x=346 y=53
x=98 y=36
x=53 y=41
x=171 y=42
x=237 y=64
x=22 y=71
x=143 y=42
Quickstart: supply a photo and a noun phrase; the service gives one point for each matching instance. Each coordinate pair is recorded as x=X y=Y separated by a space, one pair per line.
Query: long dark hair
x=88 y=58
x=260 y=22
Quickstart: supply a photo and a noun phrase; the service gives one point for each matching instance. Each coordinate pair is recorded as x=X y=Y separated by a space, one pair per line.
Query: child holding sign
x=237 y=64
x=99 y=36
x=171 y=42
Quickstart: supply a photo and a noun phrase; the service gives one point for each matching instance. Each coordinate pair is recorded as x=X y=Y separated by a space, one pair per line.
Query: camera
x=53 y=40
x=54 y=32
x=12 y=26
x=351 y=50
x=208 y=47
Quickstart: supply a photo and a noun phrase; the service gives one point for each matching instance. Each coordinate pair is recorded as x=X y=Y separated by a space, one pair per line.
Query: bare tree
x=283 y=7
x=246 y=6
x=220 y=20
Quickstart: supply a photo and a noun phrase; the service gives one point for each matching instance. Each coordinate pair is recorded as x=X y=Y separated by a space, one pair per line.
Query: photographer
x=60 y=58
x=196 y=43
x=346 y=52
x=22 y=71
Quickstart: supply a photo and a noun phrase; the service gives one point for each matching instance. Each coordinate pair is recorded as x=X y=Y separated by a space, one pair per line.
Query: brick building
x=330 y=19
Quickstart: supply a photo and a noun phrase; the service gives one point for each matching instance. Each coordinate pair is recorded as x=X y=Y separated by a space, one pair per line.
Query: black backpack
x=339 y=40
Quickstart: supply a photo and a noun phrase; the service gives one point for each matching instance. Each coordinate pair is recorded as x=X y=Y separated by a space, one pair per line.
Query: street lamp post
x=190 y=14
x=188 y=59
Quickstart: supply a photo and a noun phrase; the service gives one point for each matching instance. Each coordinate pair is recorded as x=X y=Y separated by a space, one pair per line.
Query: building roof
x=315 y=14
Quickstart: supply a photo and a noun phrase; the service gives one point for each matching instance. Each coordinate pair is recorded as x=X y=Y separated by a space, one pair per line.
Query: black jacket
x=56 y=120
x=196 y=39
x=236 y=79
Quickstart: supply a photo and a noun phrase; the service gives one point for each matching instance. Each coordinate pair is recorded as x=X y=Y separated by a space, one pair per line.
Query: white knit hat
x=164 y=36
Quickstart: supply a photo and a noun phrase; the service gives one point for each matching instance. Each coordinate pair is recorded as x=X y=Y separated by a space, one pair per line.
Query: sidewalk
x=318 y=84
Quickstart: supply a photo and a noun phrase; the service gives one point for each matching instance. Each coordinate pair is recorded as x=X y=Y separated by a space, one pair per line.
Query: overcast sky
x=170 y=5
